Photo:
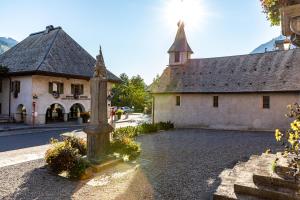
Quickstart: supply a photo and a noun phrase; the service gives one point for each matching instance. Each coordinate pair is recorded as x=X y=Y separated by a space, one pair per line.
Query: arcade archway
x=55 y=113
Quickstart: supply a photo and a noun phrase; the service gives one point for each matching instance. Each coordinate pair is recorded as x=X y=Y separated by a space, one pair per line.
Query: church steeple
x=180 y=51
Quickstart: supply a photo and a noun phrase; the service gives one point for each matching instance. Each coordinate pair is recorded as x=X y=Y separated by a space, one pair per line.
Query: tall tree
x=131 y=92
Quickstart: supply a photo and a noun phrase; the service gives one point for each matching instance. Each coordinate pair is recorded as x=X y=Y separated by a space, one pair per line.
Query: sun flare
x=190 y=11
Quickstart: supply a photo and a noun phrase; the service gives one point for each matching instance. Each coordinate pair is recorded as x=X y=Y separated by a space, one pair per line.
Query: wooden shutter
x=81 y=89
x=50 y=87
x=18 y=86
x=72 y=89
x=61 y=88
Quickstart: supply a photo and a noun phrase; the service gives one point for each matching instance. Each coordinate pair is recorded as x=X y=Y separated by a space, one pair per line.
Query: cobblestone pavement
x=179 y=164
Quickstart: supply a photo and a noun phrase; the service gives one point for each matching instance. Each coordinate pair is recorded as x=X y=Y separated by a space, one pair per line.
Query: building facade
x=246 y=92
x=47 y=79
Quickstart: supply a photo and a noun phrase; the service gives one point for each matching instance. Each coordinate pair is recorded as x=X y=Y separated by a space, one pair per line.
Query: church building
x=244 y=92
x=47 y=79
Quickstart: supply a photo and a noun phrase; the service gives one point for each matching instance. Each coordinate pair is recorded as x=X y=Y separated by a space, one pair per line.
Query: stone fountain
x=98 y=131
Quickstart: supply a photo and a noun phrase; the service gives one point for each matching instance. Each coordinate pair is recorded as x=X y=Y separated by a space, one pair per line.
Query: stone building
x=48 y=78
x=249 y=92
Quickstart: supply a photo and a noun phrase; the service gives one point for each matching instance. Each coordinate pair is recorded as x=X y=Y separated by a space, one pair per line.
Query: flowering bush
x=291 y=139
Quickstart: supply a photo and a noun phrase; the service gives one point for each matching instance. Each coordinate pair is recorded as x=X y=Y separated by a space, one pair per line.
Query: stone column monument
x=98 y=131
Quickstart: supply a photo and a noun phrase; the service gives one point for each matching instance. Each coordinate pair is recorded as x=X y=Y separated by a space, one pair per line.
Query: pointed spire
x=180 y=44
x=100 y=58
x=100 y=69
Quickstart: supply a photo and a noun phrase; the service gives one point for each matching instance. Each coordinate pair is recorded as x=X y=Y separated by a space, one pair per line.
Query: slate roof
x=50 y=52
x=180 y=44
x=277 y=71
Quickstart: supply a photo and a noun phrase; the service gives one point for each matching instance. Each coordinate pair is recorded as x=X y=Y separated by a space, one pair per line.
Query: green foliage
x=147 y=128
x=79 y=167
x=77 y=143
x=66 y=156
x=165 y=125
x=131 y=92
x=119 y=113
x=61 y=157
x=291 y=139
x=129 y=132
x=123 y=138
x=125 y=147
x=272 y=9
x=132 y=132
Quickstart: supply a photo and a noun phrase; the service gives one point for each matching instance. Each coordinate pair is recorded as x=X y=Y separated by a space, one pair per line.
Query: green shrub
x=77 y=143
x=129 y=132
x=78 y=168
x=125 y=147
x=61 y=157
x=66 y=156
x=165 y=125
x=147 y=128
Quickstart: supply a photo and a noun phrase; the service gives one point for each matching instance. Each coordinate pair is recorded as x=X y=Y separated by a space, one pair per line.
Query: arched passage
x=55 y=113
x=75 y=111
x=20 y=115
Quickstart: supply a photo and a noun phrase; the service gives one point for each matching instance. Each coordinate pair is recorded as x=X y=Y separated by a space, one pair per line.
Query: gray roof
x=180 y=44
x=51 y=52
x=277 y=71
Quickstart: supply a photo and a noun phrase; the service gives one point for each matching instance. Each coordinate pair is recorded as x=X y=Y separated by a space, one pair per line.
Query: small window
x=177 y=100
x=216 y=101
x=177 y=56
x=77 y=89
x=56 y=87
x=266 y=102
x=15 y=88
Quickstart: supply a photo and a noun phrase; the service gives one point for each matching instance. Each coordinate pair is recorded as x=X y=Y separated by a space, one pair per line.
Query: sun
x=192 y=12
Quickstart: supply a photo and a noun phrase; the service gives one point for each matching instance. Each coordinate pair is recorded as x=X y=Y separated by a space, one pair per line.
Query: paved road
x=178 y=164
x=35 y=138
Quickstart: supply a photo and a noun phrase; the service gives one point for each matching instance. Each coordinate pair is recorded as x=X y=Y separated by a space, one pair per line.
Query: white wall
x=24 y=97
x=4 y=96
x=235 y=111
x=41 y=89
x=39 y=86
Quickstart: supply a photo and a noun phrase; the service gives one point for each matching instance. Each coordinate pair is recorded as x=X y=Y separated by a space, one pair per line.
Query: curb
x=39 y=127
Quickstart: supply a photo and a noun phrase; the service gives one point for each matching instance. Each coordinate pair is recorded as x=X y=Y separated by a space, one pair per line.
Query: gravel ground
x=179 y=164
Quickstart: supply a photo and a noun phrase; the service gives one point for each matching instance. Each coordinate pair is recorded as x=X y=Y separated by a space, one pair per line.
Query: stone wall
x=235 y=111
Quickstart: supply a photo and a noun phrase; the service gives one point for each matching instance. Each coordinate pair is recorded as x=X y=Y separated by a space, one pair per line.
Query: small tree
x=272 y=9
x=291 y=139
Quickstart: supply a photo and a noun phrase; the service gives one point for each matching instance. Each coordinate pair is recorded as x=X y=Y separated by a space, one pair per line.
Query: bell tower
x=180 y=51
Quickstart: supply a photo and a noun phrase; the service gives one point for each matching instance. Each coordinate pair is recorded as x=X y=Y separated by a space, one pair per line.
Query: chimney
x=49 y=28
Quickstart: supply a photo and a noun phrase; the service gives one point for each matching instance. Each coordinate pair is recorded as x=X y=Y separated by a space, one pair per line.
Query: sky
x=135 y=35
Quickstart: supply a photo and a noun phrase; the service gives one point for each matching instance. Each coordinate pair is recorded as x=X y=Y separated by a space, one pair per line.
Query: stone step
x=236 y=197
x=230 y=176
x=275 y=180
x=272 y=193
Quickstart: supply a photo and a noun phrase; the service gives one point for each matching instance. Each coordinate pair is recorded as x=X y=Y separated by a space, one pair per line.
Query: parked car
x=127 y=109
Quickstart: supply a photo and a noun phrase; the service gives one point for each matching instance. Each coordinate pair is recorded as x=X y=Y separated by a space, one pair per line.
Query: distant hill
x=269 y=46
x=6 y=43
